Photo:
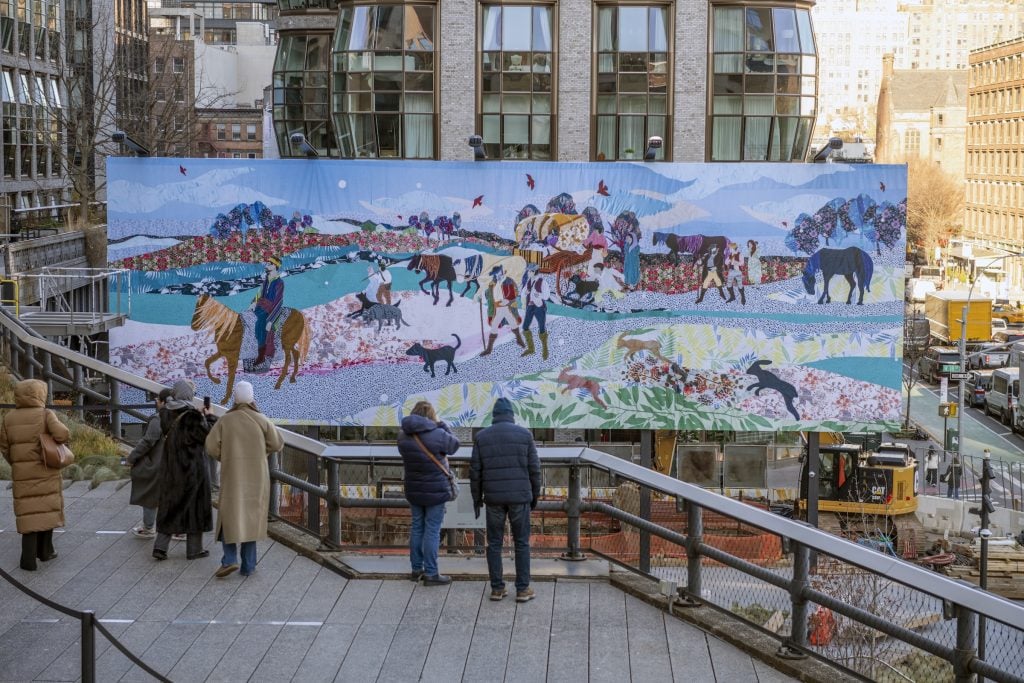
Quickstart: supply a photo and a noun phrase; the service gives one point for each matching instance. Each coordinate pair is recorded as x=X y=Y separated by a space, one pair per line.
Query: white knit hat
x=244 y=393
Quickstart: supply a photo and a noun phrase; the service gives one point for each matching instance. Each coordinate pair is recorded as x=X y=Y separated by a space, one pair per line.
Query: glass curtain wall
x=516 y=72
x=301 y=93
x=384 y=78
x=634 y=70
x=763 y=84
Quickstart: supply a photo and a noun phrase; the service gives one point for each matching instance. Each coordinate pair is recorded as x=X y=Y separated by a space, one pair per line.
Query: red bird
x=530 y=181
x=602 y=189
x=478 y=201
x=399 y=216
x=881 y=186
x=182 y=170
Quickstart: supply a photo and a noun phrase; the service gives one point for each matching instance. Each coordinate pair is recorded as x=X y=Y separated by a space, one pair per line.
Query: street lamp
x=963 y=361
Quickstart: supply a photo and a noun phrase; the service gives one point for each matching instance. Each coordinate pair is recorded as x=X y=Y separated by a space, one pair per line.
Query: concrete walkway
x=295 y=620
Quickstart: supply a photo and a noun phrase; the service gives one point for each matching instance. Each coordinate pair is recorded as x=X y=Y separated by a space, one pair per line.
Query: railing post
x=646 y=460
x=313 y=503
x=792 y=649
x=275 y=485
x=572 y=511
x=88 y=647
x=333 y=540
x=48 y=374
x=694 y=538
x=115 y=408
x=79 y=395
x=966 y=644
x=30 y=366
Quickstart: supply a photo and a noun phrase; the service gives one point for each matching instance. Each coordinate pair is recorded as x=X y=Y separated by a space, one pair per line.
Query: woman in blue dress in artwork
x=631 y=260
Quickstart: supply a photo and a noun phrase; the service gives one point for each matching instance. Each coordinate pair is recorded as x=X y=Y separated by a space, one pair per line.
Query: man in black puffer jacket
x=505 y=476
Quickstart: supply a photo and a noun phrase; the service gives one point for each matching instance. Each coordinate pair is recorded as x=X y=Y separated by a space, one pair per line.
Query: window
x=301 y=94
x=250 y=131
x=178 y=65
x=222 y=131
x=161 y=95
x=764 y=84
x=385 y=76
x=236 y=131
x=179 y=93
x=912 y=143
x=516 y=80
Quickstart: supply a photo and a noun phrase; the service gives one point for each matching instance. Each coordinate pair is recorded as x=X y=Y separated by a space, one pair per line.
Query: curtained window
x=384 y=73
x=763 y=83
x=631 y=91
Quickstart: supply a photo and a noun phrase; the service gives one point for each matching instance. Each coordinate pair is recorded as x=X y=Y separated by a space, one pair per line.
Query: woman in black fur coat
x=185 y=506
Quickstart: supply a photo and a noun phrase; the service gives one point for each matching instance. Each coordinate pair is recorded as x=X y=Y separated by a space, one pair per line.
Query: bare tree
x=935 y=204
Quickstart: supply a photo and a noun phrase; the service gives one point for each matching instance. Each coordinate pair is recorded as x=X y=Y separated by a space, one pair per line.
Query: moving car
x=939 y=361
x=1010 y=314
x=1001 y=398
x=976 y=387
x=988 y=355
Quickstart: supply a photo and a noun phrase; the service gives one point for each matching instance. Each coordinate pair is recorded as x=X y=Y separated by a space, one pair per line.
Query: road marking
x=117 y=621
x=224 y=622
x=112 y=533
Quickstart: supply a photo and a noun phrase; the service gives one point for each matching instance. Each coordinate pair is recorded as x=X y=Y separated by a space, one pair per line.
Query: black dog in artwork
x=582 y=292
x=365 y=303
x=769 y=380
x=431 y=356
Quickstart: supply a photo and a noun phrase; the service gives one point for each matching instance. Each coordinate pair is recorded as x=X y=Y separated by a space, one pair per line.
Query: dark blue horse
x=695 y=245
x=848 y=262
x=438 y=268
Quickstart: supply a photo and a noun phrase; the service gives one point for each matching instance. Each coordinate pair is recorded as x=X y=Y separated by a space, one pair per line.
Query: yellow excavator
x=866 y=493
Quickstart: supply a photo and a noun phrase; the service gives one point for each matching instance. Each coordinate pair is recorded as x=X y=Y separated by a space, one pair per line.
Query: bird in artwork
x=785 y=224
x=479 y=201
x=602 y=189
x=182 y=170
x=530 y=182
x=881 y=186
x=399 y=216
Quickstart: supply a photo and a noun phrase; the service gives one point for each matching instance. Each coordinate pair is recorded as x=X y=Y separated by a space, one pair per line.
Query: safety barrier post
x=88 y=647
x=333 y=540
x=115 y=408
x=694 y=538
x=792 y=649
x=966 y=644
x=275 y=485
x=313 y=503
x=646 y=460
x=79 y=395
x=573 y=505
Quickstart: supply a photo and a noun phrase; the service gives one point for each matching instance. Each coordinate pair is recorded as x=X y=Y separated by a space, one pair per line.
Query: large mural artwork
x=750 y=297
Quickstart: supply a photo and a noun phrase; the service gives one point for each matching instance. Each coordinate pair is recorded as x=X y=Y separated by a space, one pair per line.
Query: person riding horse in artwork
x=267 y=306
x=850 y=262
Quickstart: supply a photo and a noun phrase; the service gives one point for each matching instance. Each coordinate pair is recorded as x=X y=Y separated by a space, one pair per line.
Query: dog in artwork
x=635 y=346
x=769 y=380
x=365 y=305
x=384 y=313
x=574 y=382
x=431 y=356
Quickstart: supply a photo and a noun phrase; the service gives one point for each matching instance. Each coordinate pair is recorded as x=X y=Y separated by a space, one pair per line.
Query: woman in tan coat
x=38 y=489
x=241 y=440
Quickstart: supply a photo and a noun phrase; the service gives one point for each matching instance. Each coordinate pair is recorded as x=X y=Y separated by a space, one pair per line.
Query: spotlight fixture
x=299 y=141
x=122 y=138
x=477 y=143
x=653 y=145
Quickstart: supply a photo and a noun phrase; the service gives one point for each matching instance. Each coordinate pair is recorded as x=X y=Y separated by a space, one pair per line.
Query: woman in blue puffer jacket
x=426 y=487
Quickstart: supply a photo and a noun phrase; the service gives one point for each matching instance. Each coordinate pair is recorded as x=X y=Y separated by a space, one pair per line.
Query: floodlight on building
x=299 y=141
x=477 y=143
x=653 y=145
x=122 y=138
x=827 y=150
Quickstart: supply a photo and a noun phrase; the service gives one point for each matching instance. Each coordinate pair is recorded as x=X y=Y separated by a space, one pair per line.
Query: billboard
x=751 y=297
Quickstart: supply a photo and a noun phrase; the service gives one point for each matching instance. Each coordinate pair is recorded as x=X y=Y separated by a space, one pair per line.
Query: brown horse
x=227 y=329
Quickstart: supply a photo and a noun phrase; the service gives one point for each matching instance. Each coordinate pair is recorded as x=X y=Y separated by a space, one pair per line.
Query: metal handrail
x=88 y=637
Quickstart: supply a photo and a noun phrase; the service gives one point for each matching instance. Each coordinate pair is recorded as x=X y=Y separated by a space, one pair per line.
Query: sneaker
x=225 y=570
x=144 y=532
x=179 y=537
x=525 y=595
x=498 y=593
x=437 y=580
x=159 y=554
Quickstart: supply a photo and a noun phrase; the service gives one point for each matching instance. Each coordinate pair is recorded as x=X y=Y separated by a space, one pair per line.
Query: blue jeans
x=518 y=516
x=538 y=312
x=248 y=556
x=425 y=537
x=149 y=517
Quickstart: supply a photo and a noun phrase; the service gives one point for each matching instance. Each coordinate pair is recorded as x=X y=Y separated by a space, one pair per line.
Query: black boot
x=29 y=550
x=259 y=359
x=720 y=292
x=743 y=296
x=490 y=345
x=44 y=549
x=700 y=296
x=732 y=295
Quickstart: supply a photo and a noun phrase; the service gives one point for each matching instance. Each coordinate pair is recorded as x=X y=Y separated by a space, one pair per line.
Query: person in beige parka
x=38 y=489
x=241 y=440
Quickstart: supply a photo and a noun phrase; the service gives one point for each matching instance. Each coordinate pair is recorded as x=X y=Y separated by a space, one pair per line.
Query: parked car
x=998 y=325
x=1001 y=398
x=939 y=361
x=988 y=355
x=1009 y=314
x=977 y=386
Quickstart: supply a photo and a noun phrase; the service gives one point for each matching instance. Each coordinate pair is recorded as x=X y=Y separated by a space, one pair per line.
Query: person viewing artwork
x=424 y=443
x=146 y=461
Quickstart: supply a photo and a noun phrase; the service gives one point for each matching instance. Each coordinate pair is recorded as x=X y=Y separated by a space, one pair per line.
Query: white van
x=1001 y=399
x=918 y=289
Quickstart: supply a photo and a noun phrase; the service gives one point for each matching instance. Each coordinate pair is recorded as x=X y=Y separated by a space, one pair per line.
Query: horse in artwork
x=228 y=331
x=438 y=268
x=850 y=263
x=694 y=245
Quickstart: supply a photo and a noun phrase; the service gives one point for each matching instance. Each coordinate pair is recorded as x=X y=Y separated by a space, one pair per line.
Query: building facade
x=546 y=80
x=994 y=204
x=942 y=33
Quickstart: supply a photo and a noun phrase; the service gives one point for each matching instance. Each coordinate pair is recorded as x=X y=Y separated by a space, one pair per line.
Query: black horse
x=438 y=268
x=848 y=262
x=694 y=245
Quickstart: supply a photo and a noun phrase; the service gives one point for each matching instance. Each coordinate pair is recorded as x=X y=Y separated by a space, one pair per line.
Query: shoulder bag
x=54 y=455
x=453 y=483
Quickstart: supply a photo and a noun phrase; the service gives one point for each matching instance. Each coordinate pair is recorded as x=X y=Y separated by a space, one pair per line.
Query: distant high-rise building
x=941 y=33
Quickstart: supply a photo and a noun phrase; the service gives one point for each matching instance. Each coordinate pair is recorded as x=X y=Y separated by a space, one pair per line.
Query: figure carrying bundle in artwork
x=502 y=297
